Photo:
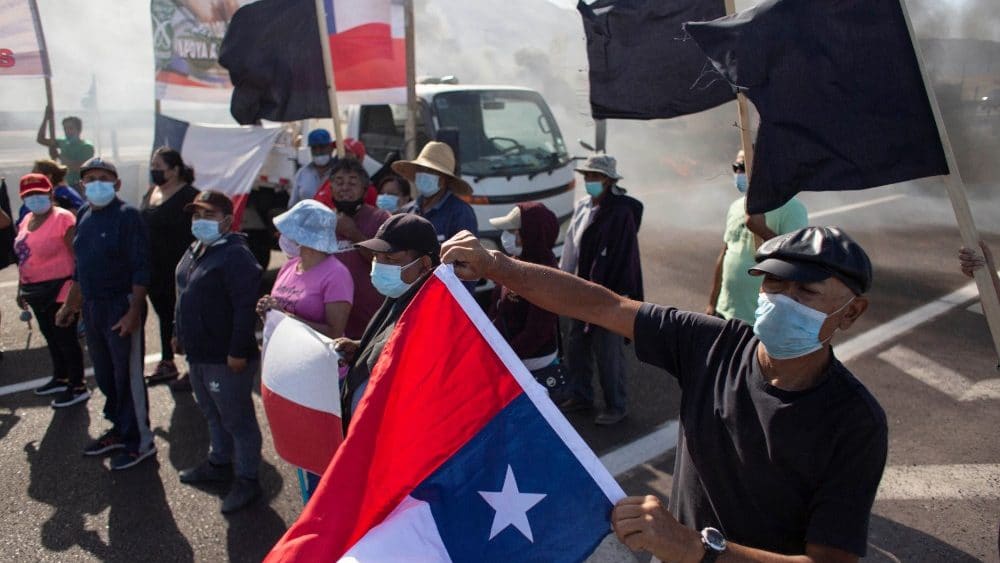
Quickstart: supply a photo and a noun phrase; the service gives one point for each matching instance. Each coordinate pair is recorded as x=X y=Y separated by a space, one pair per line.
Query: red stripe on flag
x=367 y=57
x=302 y=436
x=435 y=386
x=239 y=205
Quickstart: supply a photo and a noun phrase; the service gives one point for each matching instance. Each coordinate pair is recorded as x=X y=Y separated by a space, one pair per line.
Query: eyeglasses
x=739 y=167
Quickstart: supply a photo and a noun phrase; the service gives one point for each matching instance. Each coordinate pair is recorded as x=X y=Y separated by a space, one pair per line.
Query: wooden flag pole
x=331 y=85
x=410 y=133
x=48 y=100
x=959 y=199
x=743 y=114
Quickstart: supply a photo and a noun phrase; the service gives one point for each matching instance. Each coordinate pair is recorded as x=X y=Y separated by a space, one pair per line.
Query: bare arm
x=5 y=220
x=42 y=137
x=713 y=299
x=548 y=288
x=757 y=225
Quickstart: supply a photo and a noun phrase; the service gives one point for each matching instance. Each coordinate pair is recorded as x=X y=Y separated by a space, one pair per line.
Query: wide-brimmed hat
x=436 y=156
x=509 y=222
x=602 y=164
x=311 y=224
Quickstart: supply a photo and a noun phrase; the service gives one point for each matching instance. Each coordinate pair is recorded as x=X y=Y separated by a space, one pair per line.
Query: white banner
x=22 y=45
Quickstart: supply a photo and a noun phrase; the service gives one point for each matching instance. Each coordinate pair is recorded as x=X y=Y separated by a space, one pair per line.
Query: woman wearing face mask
x=529 y=233
x=170 y=235
x=44 y=248
x=393 y=193
x=63 y=195
x=313 y=286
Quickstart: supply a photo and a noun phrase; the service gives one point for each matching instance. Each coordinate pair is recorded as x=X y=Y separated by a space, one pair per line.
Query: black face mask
x=349 y=207
x=158 y=177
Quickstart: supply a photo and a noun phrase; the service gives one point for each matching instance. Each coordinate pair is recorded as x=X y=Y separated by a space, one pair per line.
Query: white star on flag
x=511 y=507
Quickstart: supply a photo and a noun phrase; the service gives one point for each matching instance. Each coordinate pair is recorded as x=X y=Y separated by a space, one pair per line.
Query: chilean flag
x=368 y=51
x=300 y=392
x=455 y=453
x=225 y=158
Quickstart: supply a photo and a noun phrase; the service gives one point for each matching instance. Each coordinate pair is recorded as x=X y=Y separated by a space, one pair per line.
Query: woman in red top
x=44 y=248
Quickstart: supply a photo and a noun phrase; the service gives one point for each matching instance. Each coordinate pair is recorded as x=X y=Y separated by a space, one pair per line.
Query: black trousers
x=164 y=303
x=64 y=344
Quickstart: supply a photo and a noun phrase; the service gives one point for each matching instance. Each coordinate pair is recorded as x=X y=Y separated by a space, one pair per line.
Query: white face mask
x=509 y=242
x=288 y=246
x=321 y=160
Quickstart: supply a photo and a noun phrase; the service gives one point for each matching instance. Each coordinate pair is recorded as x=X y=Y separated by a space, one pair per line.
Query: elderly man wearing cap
x=439 y=190
x=217 y=282
x=113 y=275
x=601 y=246
x=311 y=176
x=781 y=448
x=406 y=250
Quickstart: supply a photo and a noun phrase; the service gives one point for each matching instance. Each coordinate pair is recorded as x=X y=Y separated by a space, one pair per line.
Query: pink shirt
x=305 y=294
x=42 y=254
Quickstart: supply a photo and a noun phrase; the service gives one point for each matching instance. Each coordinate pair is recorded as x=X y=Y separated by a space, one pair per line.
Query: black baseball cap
x=98 y=163
x=814 y=254
x=404 y=231
x=212 y=201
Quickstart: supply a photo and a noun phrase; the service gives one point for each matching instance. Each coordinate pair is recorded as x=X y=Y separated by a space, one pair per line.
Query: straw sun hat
x=436 y=156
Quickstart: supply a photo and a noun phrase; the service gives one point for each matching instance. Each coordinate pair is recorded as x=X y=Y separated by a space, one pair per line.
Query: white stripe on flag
x=227 y=158
x=300 y=364
x=353 y=13
x=409 y=533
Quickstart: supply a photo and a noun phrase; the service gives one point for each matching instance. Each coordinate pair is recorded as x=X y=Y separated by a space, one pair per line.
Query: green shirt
x=738 y=297
x=73 y=153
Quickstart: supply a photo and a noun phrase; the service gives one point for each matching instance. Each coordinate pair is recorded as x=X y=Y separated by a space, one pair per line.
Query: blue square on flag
x=455 y=454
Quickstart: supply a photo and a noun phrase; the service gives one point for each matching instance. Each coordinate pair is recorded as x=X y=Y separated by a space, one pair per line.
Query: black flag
x=841 y=100
x=641 y=64
x=275 y=62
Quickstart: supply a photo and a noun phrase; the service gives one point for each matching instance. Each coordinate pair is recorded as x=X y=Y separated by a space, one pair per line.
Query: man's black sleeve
x=677 y=341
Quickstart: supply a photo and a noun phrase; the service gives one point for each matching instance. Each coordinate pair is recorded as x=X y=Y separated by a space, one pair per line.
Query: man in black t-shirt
x=781 y=449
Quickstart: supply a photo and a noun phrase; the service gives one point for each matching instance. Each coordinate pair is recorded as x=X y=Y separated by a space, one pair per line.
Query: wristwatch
x=714 y=543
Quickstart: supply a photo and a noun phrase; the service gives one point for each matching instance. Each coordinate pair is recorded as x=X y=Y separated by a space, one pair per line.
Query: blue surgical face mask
x=206 y=230
x=594 y=188
x=509 y=242
x=788 y=328
x=388 y=279
x=99 y=193
x=740 y=179
x=38 y=204
x=427 y=183
x=389 y=202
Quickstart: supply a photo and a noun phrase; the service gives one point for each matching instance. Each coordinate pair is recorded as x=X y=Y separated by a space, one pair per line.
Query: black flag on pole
x=642 y=66
x=275 y=62
x=841 y=100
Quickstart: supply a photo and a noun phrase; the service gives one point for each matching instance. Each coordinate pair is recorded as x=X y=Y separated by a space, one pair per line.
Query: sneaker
x=181 y=385
x=608 y=418
x=108 y=441
x=165 y=371
x=125 y=460
x=207 y=472
x=71 y=397
x=52 y=387
x=574 y=404
x=244 y=492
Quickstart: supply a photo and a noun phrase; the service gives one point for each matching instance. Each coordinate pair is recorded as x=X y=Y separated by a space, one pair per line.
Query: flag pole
x=410 y=134
x=331 y=85
x=37 y=22
x=743 y=114
x=959 y=198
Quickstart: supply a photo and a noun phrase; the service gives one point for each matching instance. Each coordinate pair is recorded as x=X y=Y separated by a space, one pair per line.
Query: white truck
x=509 y=149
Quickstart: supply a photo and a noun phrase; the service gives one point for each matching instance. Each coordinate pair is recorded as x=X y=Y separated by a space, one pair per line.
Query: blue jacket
x=216 y=298
x=112 y=250
x=609 y=248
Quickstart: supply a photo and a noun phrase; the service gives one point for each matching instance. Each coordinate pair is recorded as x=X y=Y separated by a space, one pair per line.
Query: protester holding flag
x=314 y=286
x=44 y=248
x=217 y=283
x=71 y=150
x=63 y=195
x=780 y=445
x=734 y=291
x=310 y=177
x=406 y=250
x=164 y=209
x=393 y=193
x=113 y=275
x=601 y=246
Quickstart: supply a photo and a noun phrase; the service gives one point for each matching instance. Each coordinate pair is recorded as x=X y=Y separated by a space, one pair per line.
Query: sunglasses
x=739 y=167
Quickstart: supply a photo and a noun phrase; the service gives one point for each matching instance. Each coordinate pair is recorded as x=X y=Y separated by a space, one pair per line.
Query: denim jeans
x=592 y=348
x=225 y=398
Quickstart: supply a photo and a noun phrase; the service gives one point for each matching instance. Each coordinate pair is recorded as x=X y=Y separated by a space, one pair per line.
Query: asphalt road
x=940 y=499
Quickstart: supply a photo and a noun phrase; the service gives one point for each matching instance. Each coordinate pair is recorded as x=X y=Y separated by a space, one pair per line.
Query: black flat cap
x=814 y=254
x=404 y=231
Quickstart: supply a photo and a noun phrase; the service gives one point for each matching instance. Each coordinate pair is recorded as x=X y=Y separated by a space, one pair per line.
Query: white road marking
x=962 y=481
x=6 y=284
x=853 y=206
x=642 y=450
x=935 y=375
x=886 y=332
x=38 y=382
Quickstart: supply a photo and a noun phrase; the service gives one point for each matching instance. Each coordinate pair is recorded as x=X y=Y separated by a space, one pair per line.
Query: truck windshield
x=501 y=132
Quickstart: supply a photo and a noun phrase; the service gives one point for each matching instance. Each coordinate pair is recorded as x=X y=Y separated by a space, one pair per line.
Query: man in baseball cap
x=405 y=250
x=311 y=176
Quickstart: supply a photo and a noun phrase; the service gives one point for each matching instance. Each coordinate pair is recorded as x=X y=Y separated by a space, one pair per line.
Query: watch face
x=714 y=539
